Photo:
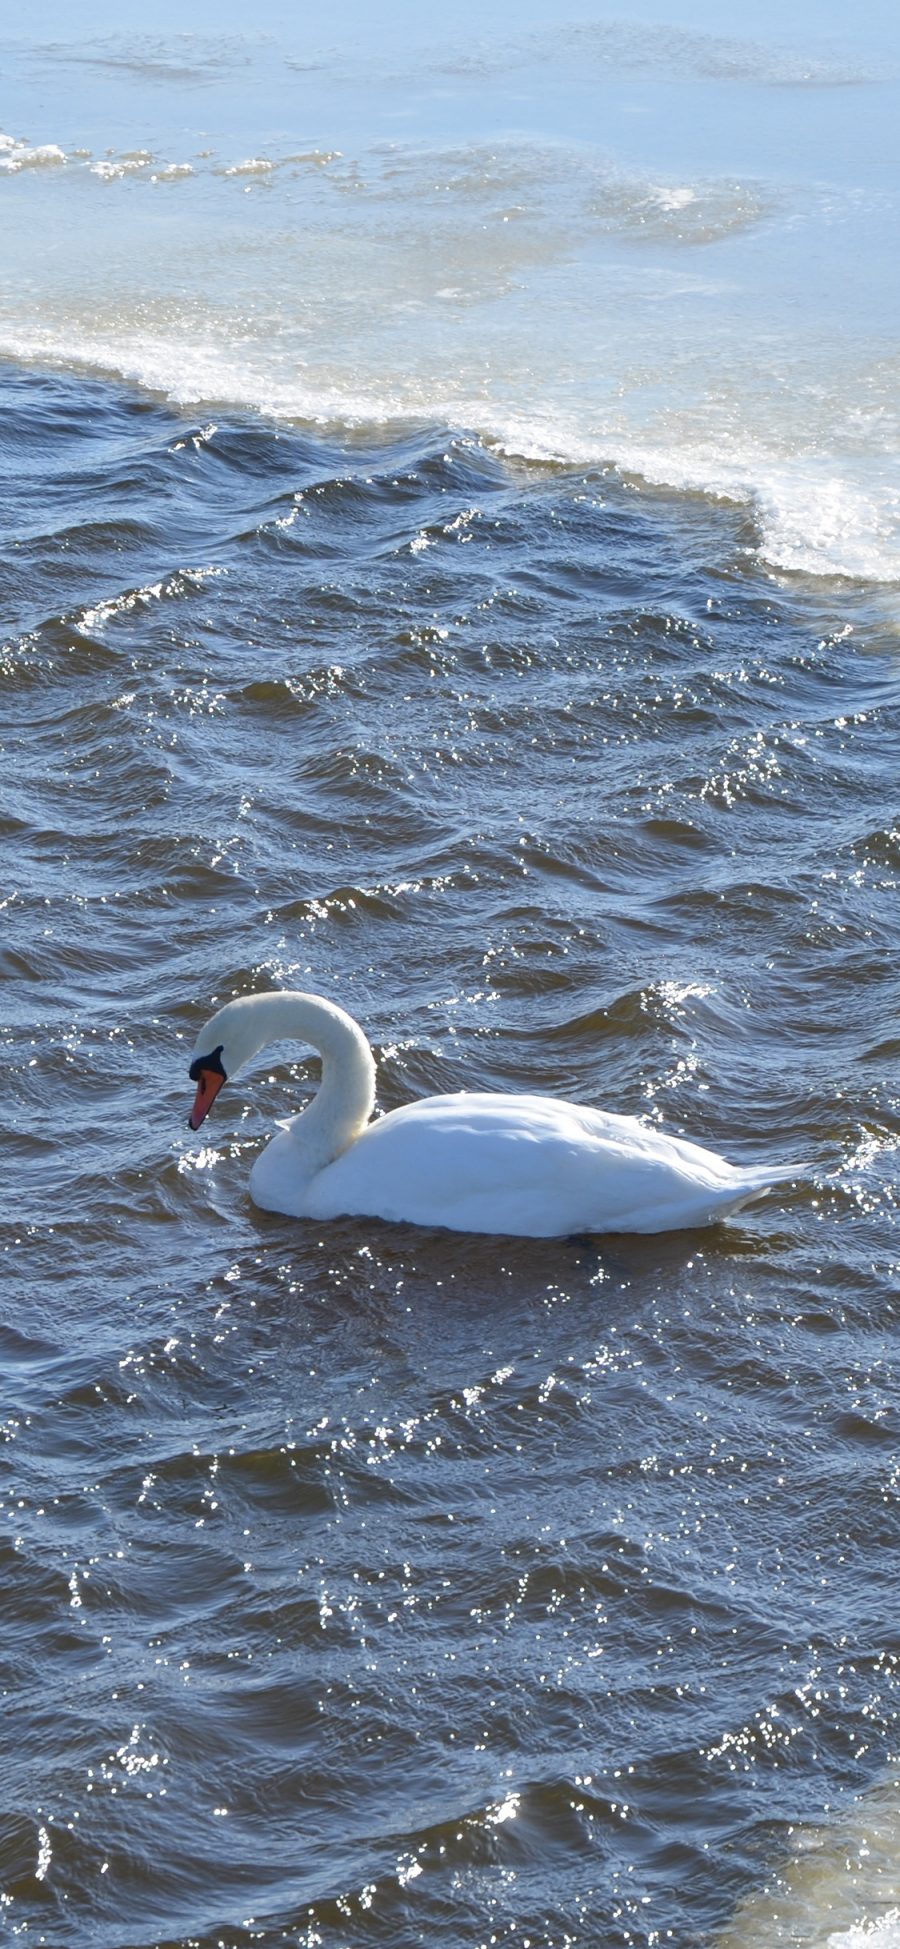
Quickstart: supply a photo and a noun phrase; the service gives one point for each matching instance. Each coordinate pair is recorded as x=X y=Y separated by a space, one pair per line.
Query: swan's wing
x=526 y=1165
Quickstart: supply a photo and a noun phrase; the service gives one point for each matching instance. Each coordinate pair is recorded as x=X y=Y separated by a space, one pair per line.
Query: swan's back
x=524 y=1165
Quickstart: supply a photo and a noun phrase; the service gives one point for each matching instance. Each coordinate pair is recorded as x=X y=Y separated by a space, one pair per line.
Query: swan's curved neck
x=345 y=1097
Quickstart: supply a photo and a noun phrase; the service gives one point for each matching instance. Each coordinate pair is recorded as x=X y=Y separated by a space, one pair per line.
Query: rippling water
x=368 y=1585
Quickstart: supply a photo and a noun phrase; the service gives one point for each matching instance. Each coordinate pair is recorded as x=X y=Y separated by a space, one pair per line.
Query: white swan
x=527 y=1165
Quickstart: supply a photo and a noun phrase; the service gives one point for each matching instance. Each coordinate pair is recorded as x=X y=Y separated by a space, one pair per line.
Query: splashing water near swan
x=529 y=1166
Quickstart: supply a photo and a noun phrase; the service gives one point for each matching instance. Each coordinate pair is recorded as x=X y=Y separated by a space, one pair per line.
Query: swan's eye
x=212 y=1063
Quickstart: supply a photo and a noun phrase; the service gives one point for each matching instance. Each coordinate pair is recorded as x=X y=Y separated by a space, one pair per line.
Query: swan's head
x=221 y=1049
x=246 y=1024
x=209 y=1073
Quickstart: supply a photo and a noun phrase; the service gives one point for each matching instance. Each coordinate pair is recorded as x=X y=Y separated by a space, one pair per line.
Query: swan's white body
x=527 y=1165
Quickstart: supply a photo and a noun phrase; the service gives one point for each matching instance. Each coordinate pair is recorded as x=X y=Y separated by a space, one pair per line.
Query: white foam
x=133 y=163
x=883 y=1933
x=814 y=518
x=16 y=155
x=254 y=166
x=838 y=1889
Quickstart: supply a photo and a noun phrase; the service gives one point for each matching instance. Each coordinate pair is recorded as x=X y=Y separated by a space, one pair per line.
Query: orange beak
x=209 y=1083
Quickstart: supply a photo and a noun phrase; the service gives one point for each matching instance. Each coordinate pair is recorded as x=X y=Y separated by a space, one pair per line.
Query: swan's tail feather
x=756 y=1180
x=709 y=1202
